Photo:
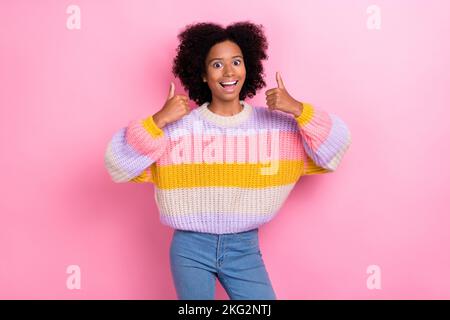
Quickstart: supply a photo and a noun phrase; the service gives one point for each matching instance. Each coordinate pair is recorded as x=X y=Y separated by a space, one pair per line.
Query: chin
x=229 y=97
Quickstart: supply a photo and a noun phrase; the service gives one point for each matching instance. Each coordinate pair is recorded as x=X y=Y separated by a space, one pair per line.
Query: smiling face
x=224 y=66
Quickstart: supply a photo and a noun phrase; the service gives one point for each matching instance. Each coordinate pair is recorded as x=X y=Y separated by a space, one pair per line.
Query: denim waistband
x=243 y=233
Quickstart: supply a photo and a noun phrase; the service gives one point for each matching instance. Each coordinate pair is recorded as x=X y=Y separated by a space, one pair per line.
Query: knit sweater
x=226 y=174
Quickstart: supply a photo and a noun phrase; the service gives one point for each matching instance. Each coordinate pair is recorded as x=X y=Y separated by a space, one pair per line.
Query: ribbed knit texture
x=241 y=176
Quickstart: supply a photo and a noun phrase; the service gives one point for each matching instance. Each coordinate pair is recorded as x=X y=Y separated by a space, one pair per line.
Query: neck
x=225 y=108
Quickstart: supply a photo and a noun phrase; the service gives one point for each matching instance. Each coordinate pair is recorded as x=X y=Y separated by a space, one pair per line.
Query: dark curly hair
x=195 y=43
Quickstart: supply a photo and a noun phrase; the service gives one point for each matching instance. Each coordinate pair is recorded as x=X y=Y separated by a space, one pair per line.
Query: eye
x=219 y=63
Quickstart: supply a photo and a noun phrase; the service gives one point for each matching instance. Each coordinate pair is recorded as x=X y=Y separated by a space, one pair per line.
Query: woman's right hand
x=176 y=107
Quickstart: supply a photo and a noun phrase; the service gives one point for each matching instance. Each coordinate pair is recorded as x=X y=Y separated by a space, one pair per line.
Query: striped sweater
x=226 y=174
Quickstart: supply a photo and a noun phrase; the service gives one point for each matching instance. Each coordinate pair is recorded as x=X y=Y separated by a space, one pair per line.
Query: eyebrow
x=222 y=59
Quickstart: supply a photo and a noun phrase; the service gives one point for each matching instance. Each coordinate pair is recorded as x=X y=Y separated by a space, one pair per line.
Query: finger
x=280 y=81
x=183 y=98
x=272 y=98
x=171 y=91
x=271 y=91
x=270 y=103
x=182 y=103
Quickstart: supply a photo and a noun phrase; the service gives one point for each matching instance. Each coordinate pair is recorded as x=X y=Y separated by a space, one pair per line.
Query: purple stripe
x=215 y=222
x=261 y=118
x=126 y=157
x=336 y=140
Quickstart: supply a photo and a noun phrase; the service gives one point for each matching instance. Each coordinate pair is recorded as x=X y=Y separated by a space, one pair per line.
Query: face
x=225 y=63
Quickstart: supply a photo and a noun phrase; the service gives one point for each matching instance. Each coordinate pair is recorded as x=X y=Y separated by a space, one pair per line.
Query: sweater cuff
x=306 y=115
x=151 y=127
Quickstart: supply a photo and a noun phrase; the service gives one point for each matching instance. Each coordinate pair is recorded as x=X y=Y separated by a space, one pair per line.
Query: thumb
x=171 y=91
x=280 y=81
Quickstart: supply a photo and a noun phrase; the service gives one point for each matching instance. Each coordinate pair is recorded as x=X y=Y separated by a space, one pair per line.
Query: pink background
x=65 y=92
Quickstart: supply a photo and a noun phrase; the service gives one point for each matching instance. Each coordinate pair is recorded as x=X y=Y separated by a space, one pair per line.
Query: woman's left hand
x=280 y=99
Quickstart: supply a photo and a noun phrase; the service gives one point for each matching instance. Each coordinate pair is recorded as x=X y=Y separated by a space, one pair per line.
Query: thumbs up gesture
x=279 y=99
x=175 y=108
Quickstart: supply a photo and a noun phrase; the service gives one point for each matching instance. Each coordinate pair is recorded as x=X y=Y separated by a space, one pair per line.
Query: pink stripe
x=317 y=129
x=141 y=140
x=290 y=148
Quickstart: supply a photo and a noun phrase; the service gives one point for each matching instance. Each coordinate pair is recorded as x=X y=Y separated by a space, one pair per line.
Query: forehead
x=224 y=49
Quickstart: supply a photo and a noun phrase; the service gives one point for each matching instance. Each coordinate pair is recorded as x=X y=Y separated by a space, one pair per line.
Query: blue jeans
x=197 y=258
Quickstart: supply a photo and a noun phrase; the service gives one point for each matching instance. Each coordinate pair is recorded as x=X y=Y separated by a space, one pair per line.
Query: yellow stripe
x=312 y=168
x=151 y=127
x=145 y=176
x=225 y=175
x=306 y=115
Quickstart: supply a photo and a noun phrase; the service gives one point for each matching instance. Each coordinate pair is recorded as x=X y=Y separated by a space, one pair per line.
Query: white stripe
x=117 y=174
x=334 y=163
x=223 y=200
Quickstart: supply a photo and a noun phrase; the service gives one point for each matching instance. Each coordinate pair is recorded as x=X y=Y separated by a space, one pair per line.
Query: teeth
x=229 y=83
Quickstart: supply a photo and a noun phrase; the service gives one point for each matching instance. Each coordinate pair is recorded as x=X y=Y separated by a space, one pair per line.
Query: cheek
x=213 y=83
x=243 y=72
x=214 y=74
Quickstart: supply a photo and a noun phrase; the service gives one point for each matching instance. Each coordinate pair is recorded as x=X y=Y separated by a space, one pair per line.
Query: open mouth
x=229 y=86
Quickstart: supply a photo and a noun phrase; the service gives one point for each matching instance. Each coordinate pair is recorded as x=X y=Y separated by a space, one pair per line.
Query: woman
x=225 y=168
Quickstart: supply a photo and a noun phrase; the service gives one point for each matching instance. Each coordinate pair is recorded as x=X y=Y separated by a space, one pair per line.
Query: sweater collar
x=226 y=121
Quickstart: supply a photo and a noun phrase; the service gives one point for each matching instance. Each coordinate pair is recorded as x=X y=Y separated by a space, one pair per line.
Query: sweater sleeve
x=133 y=149
x=325 y=139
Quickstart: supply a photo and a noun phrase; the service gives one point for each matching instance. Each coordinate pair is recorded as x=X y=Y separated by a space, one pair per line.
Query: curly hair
x=195 y=42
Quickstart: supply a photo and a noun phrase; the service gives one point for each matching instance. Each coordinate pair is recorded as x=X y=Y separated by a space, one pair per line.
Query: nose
x=228 y=71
